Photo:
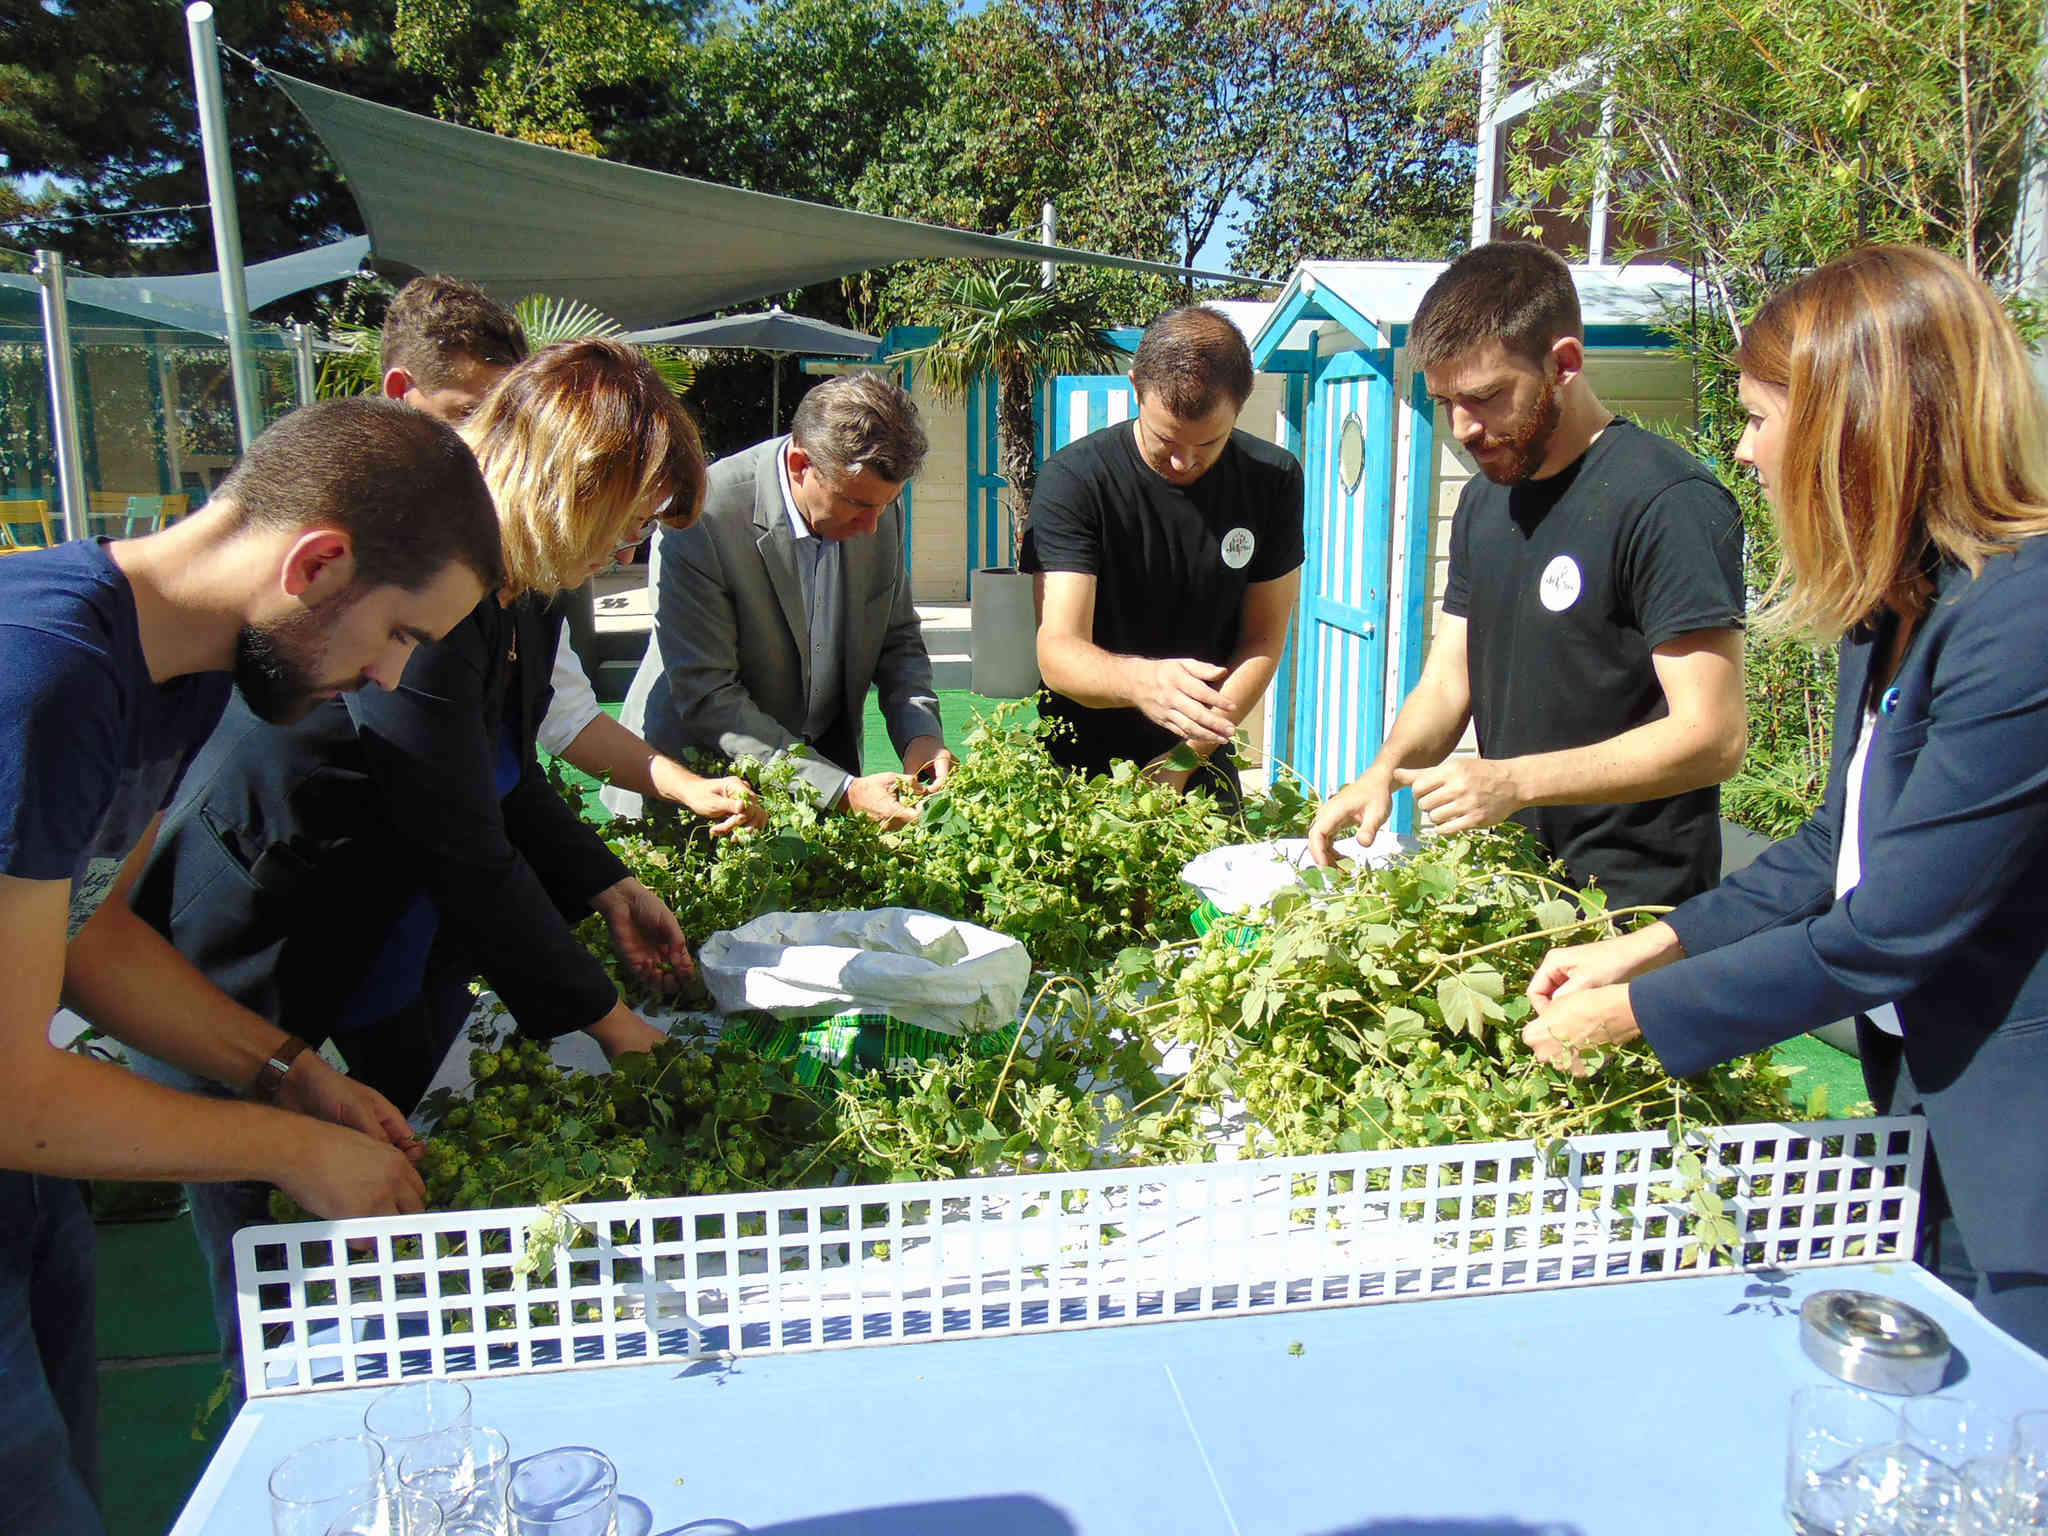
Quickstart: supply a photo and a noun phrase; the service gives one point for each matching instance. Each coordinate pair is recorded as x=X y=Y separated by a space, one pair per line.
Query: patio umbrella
x=776 y=332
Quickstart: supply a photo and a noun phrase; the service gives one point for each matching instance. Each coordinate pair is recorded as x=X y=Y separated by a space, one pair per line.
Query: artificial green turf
x=1824 y=1066
x=148 y=1458
x=152 y=1291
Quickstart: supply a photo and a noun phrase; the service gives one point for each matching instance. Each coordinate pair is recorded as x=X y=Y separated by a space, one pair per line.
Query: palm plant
x=1000 y=323
x=358 y=367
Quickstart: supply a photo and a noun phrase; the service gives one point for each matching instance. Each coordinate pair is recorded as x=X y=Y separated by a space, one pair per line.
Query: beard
x=1518 y=452
x=277 y=664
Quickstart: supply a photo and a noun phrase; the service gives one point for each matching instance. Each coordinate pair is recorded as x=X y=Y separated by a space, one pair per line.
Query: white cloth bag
x=923 y=969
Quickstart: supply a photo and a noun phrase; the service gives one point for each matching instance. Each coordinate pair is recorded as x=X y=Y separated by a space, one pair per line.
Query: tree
x=97 y=94
x=1381 y=166
x=976 y=157
x=1764 y=136
x=999 y=323
x=554 y=72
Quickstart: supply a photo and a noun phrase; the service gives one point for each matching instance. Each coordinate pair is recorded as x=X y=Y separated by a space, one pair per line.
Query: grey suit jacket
x=728 y=667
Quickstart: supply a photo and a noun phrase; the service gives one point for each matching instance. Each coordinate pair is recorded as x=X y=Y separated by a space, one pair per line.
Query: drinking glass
x=571 y=1491
x=1831 y=1427
x=400 y=1418
x=313 y=1485
x=1955 y=1431
x=464 y=1471
x=389 y=1514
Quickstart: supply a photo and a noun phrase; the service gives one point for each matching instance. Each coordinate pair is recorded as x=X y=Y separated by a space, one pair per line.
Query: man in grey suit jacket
x=777 y=610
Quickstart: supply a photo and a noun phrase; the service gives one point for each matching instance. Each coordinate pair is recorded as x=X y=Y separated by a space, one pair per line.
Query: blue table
x=1651 y=1408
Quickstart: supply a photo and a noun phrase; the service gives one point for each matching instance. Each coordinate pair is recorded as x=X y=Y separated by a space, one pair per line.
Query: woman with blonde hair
x=347 y=876
x=1899 y=436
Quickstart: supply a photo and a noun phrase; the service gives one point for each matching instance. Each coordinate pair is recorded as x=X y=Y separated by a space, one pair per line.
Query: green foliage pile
x=1372 y=1008
x=1075 y=869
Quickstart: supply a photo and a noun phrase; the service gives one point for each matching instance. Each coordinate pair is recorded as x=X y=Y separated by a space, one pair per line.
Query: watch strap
x=270 y=1077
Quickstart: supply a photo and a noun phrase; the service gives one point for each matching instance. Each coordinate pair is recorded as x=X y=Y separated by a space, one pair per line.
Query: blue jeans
x=49 y=1383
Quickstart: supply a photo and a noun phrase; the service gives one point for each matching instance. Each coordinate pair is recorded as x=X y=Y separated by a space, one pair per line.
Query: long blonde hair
x=579 y=444
x=1914 y=431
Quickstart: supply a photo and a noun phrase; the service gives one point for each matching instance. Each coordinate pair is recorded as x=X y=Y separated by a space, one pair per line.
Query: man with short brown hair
x=351 y=531
x=445 y=343
x=1592 y=621
x=1168 y=554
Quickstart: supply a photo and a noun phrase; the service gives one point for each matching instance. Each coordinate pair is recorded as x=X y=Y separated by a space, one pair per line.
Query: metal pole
x=227 y=230
x=1048 y=234
x=775 y=394
x=1603 y=187
x=302 y=356
x=1487 y=147
x=63 y=394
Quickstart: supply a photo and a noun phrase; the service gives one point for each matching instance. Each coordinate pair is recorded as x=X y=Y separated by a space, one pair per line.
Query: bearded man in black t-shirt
x=1592 y=622
x=1168 y=553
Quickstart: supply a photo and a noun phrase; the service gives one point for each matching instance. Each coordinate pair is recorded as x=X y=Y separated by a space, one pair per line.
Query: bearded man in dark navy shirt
x=1592 y=623
x=351 y=531
x=1168 y=553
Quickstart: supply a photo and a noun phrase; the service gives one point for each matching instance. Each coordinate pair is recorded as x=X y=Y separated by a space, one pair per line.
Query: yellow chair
x=21 y=521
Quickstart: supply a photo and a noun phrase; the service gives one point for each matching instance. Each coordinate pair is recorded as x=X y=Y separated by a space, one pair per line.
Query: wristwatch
x=270 y=1079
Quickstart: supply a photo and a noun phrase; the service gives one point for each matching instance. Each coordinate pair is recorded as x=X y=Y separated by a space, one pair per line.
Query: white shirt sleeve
x=574 y=705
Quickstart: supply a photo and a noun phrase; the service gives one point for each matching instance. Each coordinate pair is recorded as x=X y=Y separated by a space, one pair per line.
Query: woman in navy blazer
x=1899 y=436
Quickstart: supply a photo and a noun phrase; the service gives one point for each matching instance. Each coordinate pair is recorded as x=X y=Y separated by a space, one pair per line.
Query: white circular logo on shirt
x=1559 y=587
x=1238 y=545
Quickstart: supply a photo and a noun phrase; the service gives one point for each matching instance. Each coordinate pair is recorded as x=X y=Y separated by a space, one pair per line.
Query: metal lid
x=1873 y=1341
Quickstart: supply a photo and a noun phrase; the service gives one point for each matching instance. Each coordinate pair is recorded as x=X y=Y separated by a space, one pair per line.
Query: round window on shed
x=1351 y=453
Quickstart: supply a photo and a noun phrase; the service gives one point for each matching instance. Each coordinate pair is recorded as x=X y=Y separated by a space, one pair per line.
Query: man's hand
x=1607 y=963
x=1180 y=695
x=929 y=752
x=623 y=1030
x=1366 y=801
x=314 y=1088
x=1579 y=1023
x=1464 y=792
x=728 y=803
x=645 y=934
x=338 y=1173
x=877 y=796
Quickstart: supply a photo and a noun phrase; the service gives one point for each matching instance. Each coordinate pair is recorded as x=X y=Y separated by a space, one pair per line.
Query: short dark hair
x=401 y=485
x=1189 y=359
x=1515 y=292
x=434 y=321
x=861 y=421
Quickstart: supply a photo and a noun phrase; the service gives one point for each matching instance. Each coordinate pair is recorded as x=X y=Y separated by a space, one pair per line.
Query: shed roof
x=1368 y=301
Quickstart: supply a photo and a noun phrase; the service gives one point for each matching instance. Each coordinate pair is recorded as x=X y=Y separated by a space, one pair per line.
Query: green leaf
x=1555 y=913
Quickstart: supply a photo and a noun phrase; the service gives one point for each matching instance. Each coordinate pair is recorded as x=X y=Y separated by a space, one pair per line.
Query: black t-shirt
x=1171 y=563
x=1566 y=586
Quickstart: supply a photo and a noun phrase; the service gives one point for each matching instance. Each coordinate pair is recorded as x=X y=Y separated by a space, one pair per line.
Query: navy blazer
x=1949 y=919
x=292 y=851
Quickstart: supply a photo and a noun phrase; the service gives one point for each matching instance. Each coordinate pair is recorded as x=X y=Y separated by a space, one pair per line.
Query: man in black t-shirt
x=1168 y=552
x=1592 y=623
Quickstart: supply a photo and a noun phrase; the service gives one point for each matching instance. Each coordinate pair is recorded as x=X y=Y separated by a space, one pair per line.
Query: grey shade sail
x=267 y=281
x=144 y=311
x=776 y=330
x=643 y=246
x=102 y=319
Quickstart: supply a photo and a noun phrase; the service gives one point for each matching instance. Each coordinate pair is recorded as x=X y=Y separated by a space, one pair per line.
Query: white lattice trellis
x=477 y=1292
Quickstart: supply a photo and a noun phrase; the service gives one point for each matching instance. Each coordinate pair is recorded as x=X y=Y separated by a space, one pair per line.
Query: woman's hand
x=645 y=934
x=728 y=803
x=1602 y=964
x=1582 y=1022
